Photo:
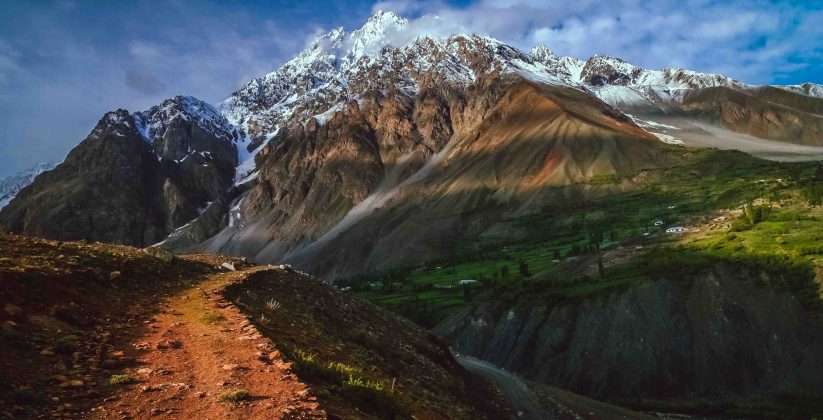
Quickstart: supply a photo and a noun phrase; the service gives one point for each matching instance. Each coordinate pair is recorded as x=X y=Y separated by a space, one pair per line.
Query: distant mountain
x=135 y=177
x=12 y=184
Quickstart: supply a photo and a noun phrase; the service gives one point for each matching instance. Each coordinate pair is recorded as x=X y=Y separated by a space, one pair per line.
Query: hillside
x=665 y=310
x=435 y=226
x=98 y=331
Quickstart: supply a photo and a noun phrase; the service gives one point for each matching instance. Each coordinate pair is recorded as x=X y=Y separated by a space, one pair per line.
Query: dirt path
x=517 y=394
x=199 y=356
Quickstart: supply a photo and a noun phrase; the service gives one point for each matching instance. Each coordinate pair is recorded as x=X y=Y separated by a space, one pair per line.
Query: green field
x=707 y=184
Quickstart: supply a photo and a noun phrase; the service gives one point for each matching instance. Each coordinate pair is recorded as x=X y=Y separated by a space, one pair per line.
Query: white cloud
x=751 y=40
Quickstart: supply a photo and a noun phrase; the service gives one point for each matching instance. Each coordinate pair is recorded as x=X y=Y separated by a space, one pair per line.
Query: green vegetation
x=308 y=365
x=371 y=394
x=545 y=254
x=120 y=379
x=234 y=396
x=353 y=382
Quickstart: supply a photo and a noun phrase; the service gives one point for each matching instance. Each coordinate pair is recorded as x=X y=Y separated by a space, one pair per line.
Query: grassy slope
x=707 y=185
x=67 y=309
x=356 y=355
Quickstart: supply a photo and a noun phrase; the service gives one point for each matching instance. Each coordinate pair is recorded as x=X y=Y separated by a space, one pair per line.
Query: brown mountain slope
x=91 y=330
x=766 y=112
x=530 y=148
x=504 y=142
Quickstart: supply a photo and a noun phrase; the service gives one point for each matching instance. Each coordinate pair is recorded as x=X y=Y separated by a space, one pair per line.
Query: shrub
x=272 y=305
x=363 y=393
x=372 y=396
x=234 y=396
x=120 y=379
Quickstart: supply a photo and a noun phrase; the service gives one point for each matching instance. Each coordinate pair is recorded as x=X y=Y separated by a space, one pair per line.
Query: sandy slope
x=694 y=133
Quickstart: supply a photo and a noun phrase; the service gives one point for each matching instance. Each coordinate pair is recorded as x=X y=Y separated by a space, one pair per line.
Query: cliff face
x=717 y=335
x=133 y=180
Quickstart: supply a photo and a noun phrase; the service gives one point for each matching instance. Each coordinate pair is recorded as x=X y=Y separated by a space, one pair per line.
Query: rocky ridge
x=353 y=115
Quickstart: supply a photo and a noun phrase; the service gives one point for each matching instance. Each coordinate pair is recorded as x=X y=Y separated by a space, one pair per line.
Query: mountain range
x=639 y=236
x=364 y=124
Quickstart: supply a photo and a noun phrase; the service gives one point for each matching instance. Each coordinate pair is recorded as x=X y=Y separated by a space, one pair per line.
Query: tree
x=575 y=249
x=467 y=293
x=524 y=268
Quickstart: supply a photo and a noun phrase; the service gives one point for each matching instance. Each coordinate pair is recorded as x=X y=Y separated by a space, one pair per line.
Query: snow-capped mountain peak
x=808 y=89
x=154 y=122
x=375 y=33
x=542 y=53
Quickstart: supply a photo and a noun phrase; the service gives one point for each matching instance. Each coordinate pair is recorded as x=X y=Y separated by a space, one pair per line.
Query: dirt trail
x=196 y=354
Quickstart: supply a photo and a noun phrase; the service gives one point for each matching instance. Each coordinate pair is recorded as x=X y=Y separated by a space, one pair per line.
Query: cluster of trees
x=753 y=214
x=812 y=192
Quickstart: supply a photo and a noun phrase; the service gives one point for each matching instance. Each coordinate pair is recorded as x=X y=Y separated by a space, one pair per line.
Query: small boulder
x=115 y=275
x=161 y=253
x=165 y=344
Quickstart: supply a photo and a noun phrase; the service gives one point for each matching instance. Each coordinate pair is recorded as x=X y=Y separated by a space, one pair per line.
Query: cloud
x=144 y=81
x=755 y=41
x=62 y=66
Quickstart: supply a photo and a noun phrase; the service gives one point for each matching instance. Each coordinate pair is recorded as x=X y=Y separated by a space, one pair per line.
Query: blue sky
x=65 y=63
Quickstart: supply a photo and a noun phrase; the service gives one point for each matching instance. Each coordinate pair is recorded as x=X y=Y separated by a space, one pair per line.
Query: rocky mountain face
x=340 y=138
x=133 y=179
x=765 y=112
x=720 y=333
x=12 y=184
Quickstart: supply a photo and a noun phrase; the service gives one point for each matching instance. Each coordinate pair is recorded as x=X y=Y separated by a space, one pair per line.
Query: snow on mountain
x=625 y=85
x=383 y=57
x=154 y=122
x=809 y=89
x=379 y=57
x=11 y=185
